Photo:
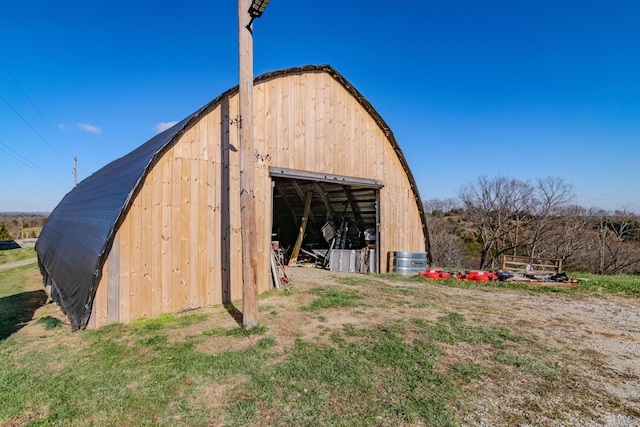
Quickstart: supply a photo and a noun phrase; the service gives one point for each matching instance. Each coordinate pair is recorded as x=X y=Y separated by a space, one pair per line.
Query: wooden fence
x=546 y=265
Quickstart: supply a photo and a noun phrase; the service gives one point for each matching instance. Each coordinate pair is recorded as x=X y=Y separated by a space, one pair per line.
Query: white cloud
x=88 y=128
x=82 y=126
x=162 y=126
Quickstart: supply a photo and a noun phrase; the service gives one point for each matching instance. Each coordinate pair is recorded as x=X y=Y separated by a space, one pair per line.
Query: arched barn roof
x=79 y=233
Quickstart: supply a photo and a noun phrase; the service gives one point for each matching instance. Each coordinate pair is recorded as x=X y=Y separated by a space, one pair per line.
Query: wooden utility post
x=247 y=170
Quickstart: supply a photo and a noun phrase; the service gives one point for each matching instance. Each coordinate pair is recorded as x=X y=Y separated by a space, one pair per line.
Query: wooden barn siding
x=337 y=136
x=179 y=247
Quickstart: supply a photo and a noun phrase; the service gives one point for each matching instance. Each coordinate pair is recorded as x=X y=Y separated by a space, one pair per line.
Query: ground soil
x=595 y=342
x=597 y=339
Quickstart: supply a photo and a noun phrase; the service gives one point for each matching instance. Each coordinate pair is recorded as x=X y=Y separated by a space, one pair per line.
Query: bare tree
x=551 y=195
x=625 y=225
x=615 y=253
x=598 y=241
x=492 y=205
x=447 y=248
x=570 y=233
x=440 y=206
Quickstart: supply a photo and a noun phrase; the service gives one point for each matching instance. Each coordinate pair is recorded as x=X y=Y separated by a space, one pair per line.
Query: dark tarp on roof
x=78 y=232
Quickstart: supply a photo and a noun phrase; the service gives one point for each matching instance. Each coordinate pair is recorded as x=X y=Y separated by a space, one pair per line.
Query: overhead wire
x=34 y=107
x=28 y=163
x=34 y=130
x=17 y=156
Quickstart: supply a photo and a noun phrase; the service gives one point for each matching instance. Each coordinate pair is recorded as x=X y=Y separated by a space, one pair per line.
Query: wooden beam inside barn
x=354 y=207
x=325 y=199
x=285 y=199
x=303 y=227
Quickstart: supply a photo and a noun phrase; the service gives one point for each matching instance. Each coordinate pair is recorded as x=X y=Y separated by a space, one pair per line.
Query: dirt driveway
x=15 y=264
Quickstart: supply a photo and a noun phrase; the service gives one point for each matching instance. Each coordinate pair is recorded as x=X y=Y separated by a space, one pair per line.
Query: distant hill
x=16 y=221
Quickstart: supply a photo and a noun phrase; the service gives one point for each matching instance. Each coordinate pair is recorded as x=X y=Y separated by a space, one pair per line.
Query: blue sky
x=524 y=89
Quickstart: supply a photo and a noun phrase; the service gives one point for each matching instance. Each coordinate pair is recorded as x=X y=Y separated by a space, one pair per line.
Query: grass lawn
x=347 y=367
x=13 y=255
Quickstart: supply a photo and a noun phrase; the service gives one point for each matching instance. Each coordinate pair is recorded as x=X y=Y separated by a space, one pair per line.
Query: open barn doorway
x=343 y=219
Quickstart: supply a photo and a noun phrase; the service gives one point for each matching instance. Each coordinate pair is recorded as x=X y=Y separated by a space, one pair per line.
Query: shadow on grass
x=16 y=310
x=234 y=312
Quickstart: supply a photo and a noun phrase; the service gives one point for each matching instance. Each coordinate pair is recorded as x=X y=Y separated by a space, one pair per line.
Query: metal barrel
x=406 y=263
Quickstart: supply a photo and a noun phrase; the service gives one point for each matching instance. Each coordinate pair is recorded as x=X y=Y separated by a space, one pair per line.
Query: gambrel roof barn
x=158 y=230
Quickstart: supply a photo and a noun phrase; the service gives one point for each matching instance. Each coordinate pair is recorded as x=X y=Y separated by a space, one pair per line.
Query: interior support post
x=303 y=226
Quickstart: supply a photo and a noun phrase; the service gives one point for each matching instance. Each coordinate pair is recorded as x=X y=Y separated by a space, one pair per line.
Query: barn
x=158 y=230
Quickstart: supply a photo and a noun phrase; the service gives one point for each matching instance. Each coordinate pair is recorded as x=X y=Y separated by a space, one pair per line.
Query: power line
x=34 y=106
x=28 y=163
x=33 y=129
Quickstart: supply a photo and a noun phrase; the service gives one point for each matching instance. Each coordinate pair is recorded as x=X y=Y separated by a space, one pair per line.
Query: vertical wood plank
x=300 y=105
x=113 y=262
x=213 y=183
x=225 y=200
x=214 y=233
x=176 y=236
x=262 y=191
x=194 y=240
x=355 y=148
x=202 y=267
x=310 y=124
x=203 y=139
x=235 y=252
x=167 y=231
x=136 y=258
x=156 y=240
x=273 y=112
x=342 y=140
x=284 y=129
x=146 y=249
x=125 y=270
x=91 y=324
x=333 y=128
x=292 y=88
x=325 y=126
x=185 y=246
x=100 y=302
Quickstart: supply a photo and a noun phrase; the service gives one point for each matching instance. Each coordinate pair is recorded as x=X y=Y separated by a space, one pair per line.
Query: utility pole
x=75 y=171
x=247 y=169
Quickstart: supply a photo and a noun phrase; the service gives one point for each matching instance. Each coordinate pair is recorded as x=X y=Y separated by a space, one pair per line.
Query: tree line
x=12 y=224
x=492 y=217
